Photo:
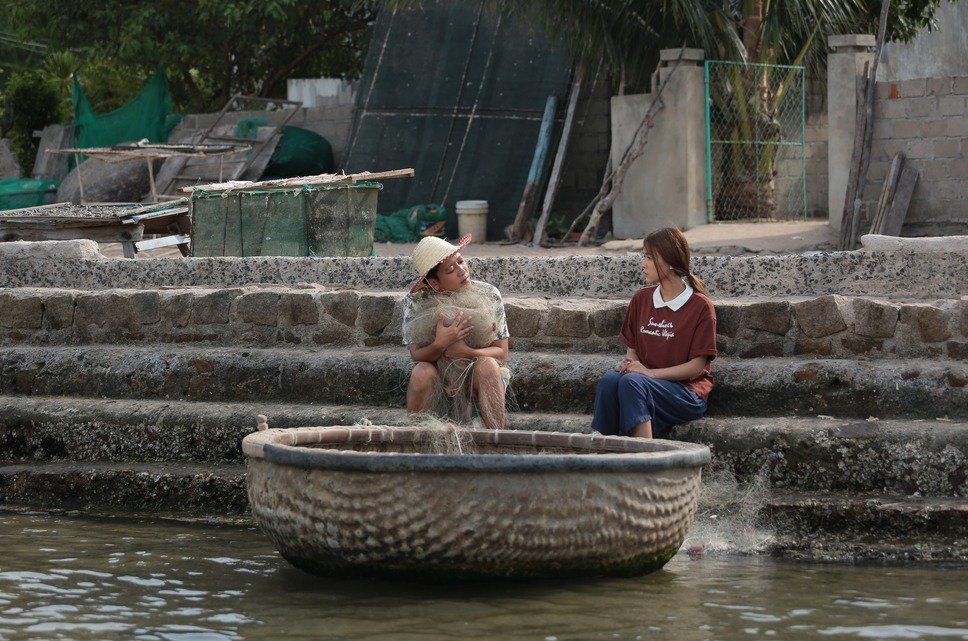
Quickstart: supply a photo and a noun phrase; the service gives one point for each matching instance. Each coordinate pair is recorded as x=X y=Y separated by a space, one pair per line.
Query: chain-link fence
x=755 y=152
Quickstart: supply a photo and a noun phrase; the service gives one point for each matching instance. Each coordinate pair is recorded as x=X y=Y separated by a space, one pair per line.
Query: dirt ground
x=733 y=239
x=716 y=238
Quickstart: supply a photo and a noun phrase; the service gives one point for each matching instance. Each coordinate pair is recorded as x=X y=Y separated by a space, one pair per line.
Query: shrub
x=30 y=103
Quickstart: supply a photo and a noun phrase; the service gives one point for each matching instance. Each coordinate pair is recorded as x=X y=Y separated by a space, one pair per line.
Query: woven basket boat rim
x=604 y=453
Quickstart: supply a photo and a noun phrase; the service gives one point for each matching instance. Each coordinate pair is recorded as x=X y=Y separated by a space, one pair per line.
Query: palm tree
x=627 y=35
x=624 y=37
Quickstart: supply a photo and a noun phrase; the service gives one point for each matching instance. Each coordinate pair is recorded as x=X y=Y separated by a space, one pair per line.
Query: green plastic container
x=321 y=220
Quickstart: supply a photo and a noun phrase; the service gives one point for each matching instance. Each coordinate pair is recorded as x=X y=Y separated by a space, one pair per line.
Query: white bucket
x=472 y=219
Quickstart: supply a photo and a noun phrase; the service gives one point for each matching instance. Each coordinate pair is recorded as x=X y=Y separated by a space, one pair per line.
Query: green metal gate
x=755 y=151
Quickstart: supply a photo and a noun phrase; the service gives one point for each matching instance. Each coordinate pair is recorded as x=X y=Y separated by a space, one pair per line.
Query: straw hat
x=430 y=252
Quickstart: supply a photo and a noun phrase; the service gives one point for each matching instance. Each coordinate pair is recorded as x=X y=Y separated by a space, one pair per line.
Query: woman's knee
x=609 y=380
x=638 y=384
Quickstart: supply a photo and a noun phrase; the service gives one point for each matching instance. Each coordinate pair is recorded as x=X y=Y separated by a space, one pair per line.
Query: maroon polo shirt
x=665 y=337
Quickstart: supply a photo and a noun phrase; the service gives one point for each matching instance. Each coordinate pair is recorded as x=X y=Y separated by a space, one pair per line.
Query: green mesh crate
x=321 y=220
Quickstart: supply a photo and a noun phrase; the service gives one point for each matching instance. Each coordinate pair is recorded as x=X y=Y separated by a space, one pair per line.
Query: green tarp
x=411 y=224
x=18 y=193
x=147 y=115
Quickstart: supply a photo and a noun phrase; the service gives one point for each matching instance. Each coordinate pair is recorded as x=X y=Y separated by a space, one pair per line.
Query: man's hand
x=447 y=335
x=460 y=349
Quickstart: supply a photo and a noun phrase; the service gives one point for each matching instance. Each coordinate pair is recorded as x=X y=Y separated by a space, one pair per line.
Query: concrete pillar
x=845 y=64
x=666 y=185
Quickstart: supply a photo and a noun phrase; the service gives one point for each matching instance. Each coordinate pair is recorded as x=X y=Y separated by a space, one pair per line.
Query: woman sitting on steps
x=670 y=336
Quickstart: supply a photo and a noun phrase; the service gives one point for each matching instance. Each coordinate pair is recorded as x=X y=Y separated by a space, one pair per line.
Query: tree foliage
x=29 y=102
x=211 y=49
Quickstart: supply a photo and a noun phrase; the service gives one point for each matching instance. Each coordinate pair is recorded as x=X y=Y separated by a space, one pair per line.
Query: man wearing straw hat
x=457 y=334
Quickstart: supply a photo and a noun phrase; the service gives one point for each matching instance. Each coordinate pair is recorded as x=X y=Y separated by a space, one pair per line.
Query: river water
x=78 y=577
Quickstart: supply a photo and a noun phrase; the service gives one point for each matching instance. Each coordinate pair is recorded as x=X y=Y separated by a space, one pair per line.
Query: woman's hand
x=631 y=366
x=683 y=372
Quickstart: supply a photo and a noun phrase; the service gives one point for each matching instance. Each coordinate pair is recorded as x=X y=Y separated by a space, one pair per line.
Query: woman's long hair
x=672 y=246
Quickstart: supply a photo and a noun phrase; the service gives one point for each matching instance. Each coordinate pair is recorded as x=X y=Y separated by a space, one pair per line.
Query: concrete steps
x=542 y=381
x=842 y=381
x=132 y=430
x=180 y=487
x=824 y=455
x=878 y=528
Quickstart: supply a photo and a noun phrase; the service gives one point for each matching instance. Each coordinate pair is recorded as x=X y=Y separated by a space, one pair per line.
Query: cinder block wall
x=926 y=119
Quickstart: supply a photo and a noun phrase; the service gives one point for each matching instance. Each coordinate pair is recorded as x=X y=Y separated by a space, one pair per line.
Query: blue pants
x=622 y=401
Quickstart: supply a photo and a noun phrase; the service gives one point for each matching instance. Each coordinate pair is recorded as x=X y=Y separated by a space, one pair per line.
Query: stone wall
x=830 y=326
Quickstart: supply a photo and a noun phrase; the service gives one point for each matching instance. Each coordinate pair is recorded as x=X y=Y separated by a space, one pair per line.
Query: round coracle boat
x=454 y=504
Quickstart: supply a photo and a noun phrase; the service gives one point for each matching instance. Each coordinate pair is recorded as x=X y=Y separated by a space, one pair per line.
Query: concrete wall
x=666 y=185
x=321 y=92
x=934 y=53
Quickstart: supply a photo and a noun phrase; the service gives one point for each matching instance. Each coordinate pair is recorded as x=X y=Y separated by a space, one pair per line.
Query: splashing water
x=729 y=517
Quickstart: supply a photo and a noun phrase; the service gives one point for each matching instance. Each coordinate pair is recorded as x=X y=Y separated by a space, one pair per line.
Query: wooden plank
x=37 y=222
x=166 y=213
x=867 y=125
x=319 y=179
x=260 y=158
x=887 y=193
x=552 y=188
x=103 y=234
x=165 y=241
x=894 y=219
x=13 y=212
x=856 y=159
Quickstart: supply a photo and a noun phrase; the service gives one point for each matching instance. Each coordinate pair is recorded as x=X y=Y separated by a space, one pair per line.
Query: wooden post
x=855 y=188
x=559 y=159
x=519 y=230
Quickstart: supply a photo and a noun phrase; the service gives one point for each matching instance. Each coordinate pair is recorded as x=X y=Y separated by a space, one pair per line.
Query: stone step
x=542 y=381
x=832 y=527
x=806 y=454
x=154 y=487
x=821 y=454
x=901 y=274
x=134 y=430
x=828 y=326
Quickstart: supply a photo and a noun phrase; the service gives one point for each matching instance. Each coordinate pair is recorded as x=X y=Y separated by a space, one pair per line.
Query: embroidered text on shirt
x=659 y=329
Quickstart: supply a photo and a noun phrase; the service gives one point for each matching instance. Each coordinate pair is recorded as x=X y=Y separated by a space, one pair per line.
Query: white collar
x=673 y=304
